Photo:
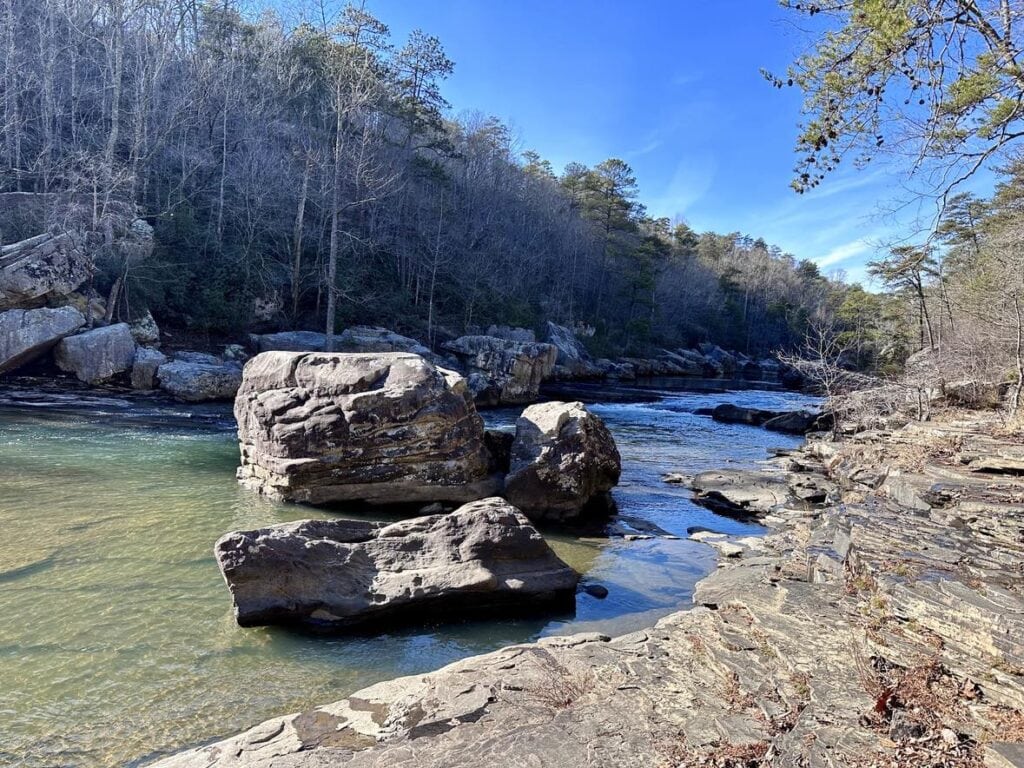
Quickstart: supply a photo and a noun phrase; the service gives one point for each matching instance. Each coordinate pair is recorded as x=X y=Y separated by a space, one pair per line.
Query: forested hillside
x=311 y=174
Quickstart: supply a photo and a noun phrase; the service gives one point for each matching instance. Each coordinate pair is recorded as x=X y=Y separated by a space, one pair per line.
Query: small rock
x=596 y=590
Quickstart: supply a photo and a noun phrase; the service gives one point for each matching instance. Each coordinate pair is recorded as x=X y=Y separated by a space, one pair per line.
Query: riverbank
x=884 y=630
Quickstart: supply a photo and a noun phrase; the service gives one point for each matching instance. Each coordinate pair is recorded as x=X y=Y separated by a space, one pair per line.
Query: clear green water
x=117 y=642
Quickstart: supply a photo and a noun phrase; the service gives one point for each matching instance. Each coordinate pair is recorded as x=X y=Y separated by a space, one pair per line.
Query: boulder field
x=346 y=574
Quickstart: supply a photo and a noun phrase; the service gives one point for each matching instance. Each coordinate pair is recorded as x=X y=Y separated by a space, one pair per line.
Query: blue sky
x=673 y=88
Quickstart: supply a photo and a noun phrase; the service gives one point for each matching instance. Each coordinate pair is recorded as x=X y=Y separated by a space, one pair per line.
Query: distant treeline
x=311 y=173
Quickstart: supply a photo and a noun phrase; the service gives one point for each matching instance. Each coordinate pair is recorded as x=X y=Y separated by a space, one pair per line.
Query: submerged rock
x=196 y=382
x=385 y=428
x=26 y=335
x=343 y=574
x=564 y=461
x=97 y=355
x=514 y=369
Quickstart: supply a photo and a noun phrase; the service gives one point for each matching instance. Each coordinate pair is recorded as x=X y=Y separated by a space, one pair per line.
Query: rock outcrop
x=748 y=492
x=26 y=335
x=346 y=574
x=97 y=355
x=207 y=379
x=363 y=338
x=383 y=428
x=513 y=370
x=564 y=462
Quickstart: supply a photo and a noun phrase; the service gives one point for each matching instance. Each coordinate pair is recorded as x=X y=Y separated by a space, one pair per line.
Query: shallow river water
x=117 y=642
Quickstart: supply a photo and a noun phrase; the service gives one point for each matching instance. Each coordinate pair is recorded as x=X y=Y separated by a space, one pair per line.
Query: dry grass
x=556 y=685
x=722 y=755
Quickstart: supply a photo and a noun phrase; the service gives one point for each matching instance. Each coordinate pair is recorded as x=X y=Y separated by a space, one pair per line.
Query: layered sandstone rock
x=382 y=428
x=344 y=574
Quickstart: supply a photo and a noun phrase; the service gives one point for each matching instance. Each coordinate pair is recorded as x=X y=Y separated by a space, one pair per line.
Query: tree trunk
x=300 y=215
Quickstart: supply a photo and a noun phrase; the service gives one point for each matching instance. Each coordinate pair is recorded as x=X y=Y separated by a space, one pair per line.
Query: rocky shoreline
x=879 y=623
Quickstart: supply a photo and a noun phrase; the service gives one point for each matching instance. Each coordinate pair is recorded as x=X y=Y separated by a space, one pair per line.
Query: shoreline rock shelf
x=344 y=575
x=866 y=633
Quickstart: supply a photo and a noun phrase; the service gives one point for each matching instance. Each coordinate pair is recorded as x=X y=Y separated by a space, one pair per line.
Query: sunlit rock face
x=384 y=428
x=97 y=355
x=564 y=462
x=345 y=574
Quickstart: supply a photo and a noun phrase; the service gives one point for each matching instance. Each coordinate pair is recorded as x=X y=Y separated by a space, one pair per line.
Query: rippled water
x=117 y=641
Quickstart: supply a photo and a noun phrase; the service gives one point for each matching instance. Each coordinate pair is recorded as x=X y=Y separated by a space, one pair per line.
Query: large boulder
x=564 y=462
x=515 y=369
x=383 y=428
x=344 y=574
x=197 y=382
x=147 y=362
x=41 y=268
x=97 y=355
x=572 y=357
x=26 y=335
x=798 y=422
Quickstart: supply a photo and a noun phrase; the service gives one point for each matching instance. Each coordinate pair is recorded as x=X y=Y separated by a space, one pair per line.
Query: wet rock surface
x=866 y=633
x=345 y=574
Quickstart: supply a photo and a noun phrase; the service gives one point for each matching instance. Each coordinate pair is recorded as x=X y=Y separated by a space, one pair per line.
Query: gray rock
x=512 y=334
x=26 y=335
x=145 y=331
x=797 y=422
x=97 y=355
x=289 y=341
x=564 y=462
x=201 y=358
x=344 y=574
x=144 y=367
x=383 y=428
x=515 y=369
x=235 y=353
x=362 y=338
x=727 y=413
x=41 y=268
x=199 y=382
x=571 y=351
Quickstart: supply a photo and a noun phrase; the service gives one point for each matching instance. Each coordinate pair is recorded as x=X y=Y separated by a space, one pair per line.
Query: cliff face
x=886 y=630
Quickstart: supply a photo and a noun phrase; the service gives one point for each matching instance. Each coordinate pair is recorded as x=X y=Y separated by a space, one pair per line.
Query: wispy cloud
x=844 y=252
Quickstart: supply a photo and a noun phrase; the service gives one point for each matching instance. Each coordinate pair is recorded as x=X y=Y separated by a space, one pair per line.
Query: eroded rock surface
x=383 y=428
x=563 y=462
x=343 y=574
x=26 y=335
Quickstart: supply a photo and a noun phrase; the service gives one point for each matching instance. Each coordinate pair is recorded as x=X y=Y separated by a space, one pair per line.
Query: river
x=117 y=642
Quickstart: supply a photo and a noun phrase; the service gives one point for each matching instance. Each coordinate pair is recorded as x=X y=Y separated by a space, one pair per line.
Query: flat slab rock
x=347 y=574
